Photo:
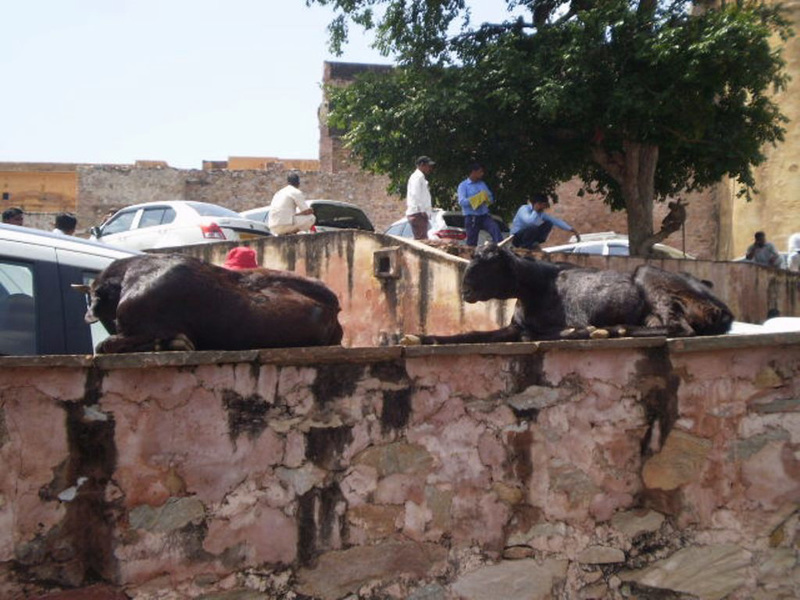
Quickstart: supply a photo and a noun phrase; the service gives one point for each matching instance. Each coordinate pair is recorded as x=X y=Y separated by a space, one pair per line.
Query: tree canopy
x=643 y=100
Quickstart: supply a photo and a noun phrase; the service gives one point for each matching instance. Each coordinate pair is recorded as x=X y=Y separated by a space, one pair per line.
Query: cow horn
x=505 y=241
x=80 y=287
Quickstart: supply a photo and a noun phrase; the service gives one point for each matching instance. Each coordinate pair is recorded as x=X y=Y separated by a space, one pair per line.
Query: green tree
x=643 y=100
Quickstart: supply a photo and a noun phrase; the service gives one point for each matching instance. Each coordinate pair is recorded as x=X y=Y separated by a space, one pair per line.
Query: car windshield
x=212 y=210
x=342 y=217
x=119 y=222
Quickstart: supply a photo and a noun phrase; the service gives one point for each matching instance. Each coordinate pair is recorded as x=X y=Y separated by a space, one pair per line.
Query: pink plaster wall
x=216 y=471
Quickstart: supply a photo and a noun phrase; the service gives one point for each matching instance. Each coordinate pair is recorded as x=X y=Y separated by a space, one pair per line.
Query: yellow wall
x=776 y=209
x=241 y=163
x=39 y=189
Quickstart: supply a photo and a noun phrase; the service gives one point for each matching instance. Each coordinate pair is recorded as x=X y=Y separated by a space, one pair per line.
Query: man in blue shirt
x=532 y=225
x=474 y=197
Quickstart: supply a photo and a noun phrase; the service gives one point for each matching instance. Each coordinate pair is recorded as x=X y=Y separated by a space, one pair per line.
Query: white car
x=445 y=225
x=40 y=313
x=611 y=244
x=175 y=223
x=331 y=215
x=773 y=325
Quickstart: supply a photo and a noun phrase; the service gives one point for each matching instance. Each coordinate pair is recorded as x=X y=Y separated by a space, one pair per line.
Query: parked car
x=611 y=244
x=175 y=223
x=445 y=225
x=39 y=311
x=331 y=215
x=773 y=325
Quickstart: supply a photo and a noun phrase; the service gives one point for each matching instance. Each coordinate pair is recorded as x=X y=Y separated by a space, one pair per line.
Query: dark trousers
x=474 y=223
x=532 y=236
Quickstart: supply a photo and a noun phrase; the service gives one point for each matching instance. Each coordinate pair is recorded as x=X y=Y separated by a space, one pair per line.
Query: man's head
x=13 y=216
x=66 y=222
x=760 y=238
x=539 y=202
x=476 y=171
x=293 y=179
x=425 y=164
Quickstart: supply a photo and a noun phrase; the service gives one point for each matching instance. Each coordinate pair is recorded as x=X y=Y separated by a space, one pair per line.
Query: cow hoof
x=410 y=340
x=599 y=334
x=181 y=343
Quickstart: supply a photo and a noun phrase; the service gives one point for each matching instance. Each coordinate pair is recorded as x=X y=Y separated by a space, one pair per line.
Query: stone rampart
x=104 y=187
x=601 y=469
x=389 y=286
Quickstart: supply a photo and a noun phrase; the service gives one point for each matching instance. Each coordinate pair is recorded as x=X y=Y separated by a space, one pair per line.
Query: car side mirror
x=95 y=231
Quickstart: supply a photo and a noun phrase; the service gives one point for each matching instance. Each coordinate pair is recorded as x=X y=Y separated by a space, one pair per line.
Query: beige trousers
x=299 y=223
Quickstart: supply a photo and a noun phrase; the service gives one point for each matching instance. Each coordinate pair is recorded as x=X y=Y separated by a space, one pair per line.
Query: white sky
x=115 y=81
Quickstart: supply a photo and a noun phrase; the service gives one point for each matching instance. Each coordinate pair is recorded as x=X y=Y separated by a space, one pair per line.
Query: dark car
x=331 y=215
x=40 y=313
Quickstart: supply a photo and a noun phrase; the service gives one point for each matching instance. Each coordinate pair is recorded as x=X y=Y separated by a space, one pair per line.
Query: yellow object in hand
x=480 y=198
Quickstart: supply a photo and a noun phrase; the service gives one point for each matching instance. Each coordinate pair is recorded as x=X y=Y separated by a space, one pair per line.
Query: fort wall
x=387 y=286
x=602 y=469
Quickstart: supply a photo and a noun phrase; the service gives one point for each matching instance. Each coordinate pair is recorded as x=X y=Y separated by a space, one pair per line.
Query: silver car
x=611 y=244
x=175 y=223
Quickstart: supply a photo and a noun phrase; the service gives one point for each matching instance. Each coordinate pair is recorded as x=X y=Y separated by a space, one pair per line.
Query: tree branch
x=671 y=223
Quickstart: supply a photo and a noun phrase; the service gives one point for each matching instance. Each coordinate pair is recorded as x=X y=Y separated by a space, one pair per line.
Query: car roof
x=161 y=202
x=616 y=238
x=312 y=201
x=40 y=237
x=172 y=203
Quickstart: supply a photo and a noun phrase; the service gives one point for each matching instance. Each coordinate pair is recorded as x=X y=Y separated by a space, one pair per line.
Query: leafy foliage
x=642 y=100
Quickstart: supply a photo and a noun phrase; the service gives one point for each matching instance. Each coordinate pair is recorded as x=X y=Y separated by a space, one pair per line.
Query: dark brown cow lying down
x=560 y=300
x=171 y=301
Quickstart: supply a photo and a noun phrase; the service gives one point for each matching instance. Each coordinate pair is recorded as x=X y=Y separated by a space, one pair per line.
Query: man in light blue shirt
x=474 y=197
x=532 y=225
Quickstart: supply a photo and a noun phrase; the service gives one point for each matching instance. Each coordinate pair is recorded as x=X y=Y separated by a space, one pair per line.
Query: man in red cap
x=240 y=258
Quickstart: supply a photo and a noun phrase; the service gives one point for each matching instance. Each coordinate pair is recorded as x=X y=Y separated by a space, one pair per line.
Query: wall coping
x=356 y=355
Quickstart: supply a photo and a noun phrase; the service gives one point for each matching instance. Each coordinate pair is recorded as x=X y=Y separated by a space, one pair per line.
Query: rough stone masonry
x=613 y=469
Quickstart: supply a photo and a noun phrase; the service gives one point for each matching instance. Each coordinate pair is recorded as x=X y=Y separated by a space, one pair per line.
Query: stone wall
x=590 y=215
x=608 y=469
x=774 y=210
x=387 y=286
x=38 y=187
x=101 y=188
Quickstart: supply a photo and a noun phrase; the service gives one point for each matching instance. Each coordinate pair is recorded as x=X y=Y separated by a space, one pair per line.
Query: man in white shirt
x=418 y=198
x=289 y=212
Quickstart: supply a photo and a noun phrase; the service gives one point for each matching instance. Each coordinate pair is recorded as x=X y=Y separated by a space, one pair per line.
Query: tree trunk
x=638 y=189
x=634 y=170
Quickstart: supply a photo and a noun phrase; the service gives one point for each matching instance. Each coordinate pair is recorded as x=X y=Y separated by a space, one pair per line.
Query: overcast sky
x=178 y=80
x=115 y=81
